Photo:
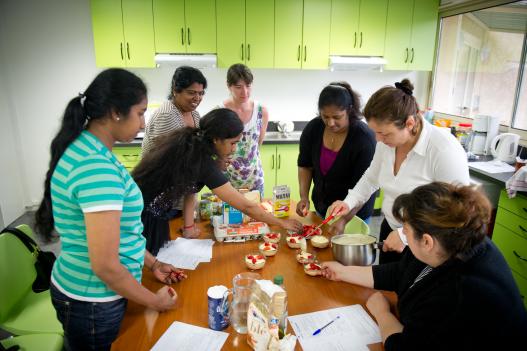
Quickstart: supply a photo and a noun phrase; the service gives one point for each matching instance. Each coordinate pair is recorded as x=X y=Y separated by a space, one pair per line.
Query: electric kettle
x=507 y=148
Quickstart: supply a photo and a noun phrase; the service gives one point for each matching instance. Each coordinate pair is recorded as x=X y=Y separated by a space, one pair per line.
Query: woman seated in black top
x=455 y=291
x=184 y=161
x=336 y=148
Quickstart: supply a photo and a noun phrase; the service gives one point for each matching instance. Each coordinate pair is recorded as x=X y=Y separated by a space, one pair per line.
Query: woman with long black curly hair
x=184 y=161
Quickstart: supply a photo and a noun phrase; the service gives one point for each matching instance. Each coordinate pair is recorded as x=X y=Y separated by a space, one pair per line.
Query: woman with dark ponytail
x=410 y=152
x=95 y=207
x=184 y=161
x=336 y=148
x=455 y=291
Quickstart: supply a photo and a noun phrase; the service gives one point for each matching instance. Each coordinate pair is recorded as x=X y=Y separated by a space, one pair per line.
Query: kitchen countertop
x=271 y=137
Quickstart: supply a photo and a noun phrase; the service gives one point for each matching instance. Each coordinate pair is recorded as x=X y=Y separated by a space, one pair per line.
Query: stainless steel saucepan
x=355 y=249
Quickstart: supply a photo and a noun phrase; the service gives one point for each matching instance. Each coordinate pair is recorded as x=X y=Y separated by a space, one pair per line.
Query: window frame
x=459 y=9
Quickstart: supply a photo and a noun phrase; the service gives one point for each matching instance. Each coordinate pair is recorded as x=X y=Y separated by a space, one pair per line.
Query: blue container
x=218 y=307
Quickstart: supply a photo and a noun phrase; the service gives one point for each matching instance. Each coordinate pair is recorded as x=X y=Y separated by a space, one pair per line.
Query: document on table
x=186 y=337
x=186 y=253
x=495 y=166
x=354 y=330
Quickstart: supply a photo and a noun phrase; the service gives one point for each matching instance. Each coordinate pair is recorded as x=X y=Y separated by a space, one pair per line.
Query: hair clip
x=82 y=98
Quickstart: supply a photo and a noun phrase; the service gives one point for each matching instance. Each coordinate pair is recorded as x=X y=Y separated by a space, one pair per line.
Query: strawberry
x=274 y=246
x=250 y=257
x=292 y=241
x=254 y=260
x=260 y=257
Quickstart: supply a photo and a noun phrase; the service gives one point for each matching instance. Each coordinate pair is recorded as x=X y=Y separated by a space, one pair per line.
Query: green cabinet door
x=288 y=33
x=317 y=23
x=372 y=27
x=138 y=25
x=268 y=158
x=108 y=33
x=287 y=169
x=231 y=32
x=259 y=33
x=424 y=28
x=398 y=32
x=169 y=26
x=200 y=19
x=344 y=27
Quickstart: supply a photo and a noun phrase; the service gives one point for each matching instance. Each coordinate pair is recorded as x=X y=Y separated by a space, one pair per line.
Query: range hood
x=356 y=63
x=194 y=60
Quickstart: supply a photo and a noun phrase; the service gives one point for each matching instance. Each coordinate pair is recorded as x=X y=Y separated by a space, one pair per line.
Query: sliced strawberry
x=250 y=257
x=254 y=260
x=292 y=241
x=274 y=246
x=260 y=257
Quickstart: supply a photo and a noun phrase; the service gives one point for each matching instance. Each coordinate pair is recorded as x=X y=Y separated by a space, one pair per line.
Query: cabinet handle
x=242 y=52
x=188 y=36
x=518 y=256
x=182 y=36
x=412 y=59
x=248 y=52
x=355 y=40
x=128 y=50
x=298 y=54
x=122 y=57
x=360 y=45
x=305 y=53
x=406 y=57
x=272 y=163
x=279 y=160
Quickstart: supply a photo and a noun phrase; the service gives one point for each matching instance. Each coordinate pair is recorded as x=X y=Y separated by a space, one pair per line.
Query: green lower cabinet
x=279 y=162
x=129 y=156
x=510 y=236
x=522 y=285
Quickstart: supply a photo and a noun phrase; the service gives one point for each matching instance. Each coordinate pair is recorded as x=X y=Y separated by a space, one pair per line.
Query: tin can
x=218 y=307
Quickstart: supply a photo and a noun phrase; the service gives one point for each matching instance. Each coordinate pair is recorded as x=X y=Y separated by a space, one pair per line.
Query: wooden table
x=141 y=329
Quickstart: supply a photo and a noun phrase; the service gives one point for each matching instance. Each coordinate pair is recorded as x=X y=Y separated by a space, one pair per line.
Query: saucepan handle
x=379 y=245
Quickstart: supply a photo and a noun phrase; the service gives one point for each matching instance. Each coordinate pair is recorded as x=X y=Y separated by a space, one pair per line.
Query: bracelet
x=153 y=265
x=188 y=226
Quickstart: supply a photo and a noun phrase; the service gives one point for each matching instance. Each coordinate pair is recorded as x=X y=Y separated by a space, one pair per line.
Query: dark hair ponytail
x=112 y=90
x=341 y=95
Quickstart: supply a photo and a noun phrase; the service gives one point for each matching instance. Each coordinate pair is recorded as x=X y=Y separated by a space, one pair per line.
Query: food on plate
x=313 y=269
x=308 y=230
x=272 y=238
x=355 y=239
x=319 y=241
x=304 y=257
x=293 y=240
x=268 y=249
x=255 y=261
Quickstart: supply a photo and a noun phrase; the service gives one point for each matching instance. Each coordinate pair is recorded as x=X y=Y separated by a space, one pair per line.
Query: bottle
x=429 y=115
x=280 y=306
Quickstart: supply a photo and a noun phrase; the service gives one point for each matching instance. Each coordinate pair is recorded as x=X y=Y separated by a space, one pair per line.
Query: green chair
x=35 y=342
x=23 y=311
x=355 y=226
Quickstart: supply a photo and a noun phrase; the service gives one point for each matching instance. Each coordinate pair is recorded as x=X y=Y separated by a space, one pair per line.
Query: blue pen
x=320 y=329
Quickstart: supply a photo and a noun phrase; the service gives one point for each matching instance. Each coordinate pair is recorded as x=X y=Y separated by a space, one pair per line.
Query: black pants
x=390 y=256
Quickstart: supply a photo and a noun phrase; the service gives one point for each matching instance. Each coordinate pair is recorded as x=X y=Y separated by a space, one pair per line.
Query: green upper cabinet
x=302 y=31
x=185 y=26
x=358 y=27
x=410 y=34
x=259 y=33
x=123 y=33
x=246 y=33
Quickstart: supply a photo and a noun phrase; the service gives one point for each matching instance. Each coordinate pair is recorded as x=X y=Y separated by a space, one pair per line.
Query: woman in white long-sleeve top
x=410 y=152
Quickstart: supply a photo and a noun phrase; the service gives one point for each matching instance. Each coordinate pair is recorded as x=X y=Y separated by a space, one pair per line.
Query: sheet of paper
x=495 y=166
x=186 y=253
x=186 y=337
x=354 y=327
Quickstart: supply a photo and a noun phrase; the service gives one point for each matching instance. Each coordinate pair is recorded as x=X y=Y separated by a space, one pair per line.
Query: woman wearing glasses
x=179 y=111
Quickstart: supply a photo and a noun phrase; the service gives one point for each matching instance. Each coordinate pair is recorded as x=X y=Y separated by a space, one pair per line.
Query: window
x=481 y=63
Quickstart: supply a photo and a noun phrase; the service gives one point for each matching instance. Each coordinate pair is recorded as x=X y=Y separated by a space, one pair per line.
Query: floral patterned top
x=245 y=170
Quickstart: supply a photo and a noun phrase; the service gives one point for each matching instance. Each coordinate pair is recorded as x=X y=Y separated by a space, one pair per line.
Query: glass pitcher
x=241 y=294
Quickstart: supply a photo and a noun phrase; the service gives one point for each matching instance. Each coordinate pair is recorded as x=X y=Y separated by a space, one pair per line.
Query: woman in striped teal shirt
x=95 y=206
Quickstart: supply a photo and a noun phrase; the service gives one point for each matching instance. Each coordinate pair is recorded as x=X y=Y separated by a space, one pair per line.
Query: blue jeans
x=88 y=325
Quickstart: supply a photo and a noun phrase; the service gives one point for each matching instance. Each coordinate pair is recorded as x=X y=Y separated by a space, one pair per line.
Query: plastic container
x=463 y=133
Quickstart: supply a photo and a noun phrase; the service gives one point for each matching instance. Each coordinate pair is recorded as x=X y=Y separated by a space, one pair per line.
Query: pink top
x=327 y=158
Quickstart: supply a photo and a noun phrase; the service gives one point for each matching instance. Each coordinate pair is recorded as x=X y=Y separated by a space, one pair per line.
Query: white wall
x=49 y=58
